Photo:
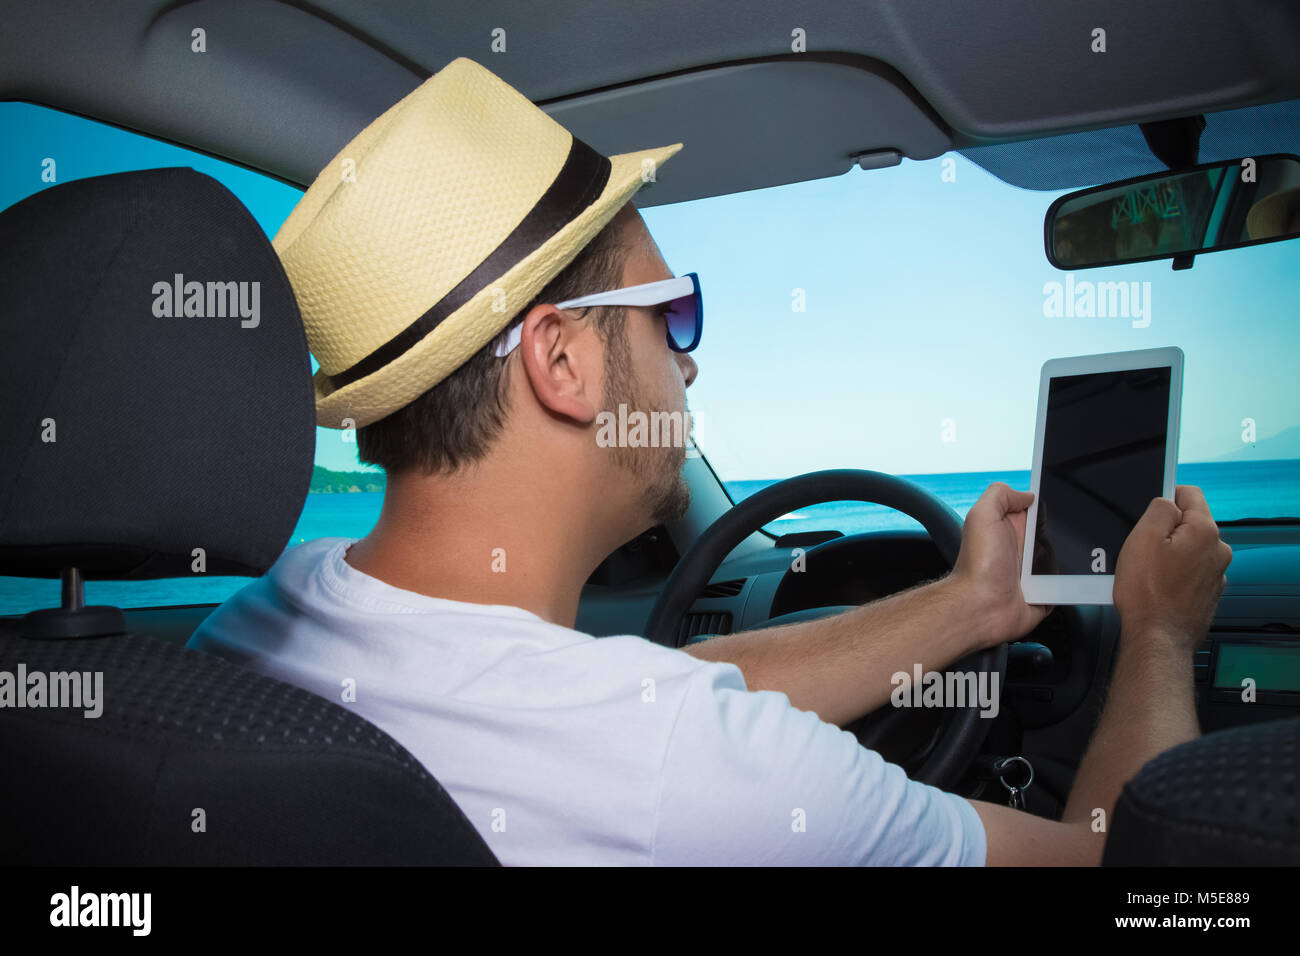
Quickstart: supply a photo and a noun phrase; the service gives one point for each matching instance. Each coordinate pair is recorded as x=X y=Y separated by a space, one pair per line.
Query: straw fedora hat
x=1274 y=216
x=427 y=234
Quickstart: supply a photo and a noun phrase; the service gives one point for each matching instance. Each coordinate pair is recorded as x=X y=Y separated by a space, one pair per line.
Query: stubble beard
x=657 y=471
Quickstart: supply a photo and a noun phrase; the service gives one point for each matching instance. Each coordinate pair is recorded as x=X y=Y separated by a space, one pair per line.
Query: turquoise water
x=1233 y=489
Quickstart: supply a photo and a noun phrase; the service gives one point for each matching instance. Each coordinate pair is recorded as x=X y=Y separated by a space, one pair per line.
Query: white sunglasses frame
x=651 y=293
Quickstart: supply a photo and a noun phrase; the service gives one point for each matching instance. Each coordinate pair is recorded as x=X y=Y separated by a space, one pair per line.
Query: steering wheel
x=964 y=733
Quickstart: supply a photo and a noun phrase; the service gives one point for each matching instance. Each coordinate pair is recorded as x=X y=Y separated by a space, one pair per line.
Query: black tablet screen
x=1103 y=461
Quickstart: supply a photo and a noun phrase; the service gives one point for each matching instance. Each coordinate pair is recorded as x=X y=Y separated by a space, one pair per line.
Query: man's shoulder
x=268 y=601
x=312 y=604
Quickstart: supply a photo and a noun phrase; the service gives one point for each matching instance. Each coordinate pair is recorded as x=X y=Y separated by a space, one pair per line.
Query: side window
x=42 y=147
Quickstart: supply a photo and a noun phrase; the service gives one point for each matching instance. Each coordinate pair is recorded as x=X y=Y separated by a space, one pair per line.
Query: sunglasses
x=684 y=314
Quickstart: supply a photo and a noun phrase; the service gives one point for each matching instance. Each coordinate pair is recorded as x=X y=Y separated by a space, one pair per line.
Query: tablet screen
x=1104 y=441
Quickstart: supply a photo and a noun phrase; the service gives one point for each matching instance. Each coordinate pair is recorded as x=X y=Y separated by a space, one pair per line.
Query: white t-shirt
x=563 y=749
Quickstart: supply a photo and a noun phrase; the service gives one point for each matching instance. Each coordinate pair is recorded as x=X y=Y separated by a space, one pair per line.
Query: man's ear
x=564 y=363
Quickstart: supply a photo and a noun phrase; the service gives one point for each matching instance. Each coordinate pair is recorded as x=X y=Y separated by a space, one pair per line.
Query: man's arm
x=840 y=667
x=1168 y=579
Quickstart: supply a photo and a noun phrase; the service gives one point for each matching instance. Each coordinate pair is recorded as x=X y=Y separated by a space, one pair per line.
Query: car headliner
x=283 y=85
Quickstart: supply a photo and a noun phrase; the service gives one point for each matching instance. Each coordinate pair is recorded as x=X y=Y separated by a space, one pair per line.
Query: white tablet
x=1106 y=443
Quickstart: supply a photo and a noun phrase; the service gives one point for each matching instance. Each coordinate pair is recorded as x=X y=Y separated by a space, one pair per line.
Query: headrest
x=1228 y=798
x=154 y=379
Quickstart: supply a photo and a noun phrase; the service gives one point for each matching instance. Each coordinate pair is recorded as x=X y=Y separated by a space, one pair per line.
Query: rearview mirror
x=1208 y=208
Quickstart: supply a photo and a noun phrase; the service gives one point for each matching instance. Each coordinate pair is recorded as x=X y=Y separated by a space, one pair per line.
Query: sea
x=1233 y=489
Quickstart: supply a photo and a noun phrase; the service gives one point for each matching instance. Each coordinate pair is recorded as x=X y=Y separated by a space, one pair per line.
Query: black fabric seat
x=1230 y=798
x=196 y=761
x=139 y=443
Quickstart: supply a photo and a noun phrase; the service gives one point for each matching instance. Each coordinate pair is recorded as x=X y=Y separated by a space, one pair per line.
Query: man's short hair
x=455 y=422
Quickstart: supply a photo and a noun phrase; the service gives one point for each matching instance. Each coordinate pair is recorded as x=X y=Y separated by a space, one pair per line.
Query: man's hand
x=1168 y=579
x=840 y=667
x=1170 y=572
x=988 y=567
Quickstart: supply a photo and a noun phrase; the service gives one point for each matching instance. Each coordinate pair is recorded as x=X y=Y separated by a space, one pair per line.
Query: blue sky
x=924 y=303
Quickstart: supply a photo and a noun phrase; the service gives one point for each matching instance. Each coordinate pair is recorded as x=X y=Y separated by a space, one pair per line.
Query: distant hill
x=325 y=481
x=1285 y=444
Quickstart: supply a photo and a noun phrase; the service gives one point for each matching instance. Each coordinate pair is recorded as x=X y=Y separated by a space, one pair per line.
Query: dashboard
x=1057 y=675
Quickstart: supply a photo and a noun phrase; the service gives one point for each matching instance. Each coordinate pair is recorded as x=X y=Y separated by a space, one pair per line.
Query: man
x=444 y=263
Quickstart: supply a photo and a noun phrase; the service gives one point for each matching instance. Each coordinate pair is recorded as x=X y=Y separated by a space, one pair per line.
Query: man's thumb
x=1013 y=500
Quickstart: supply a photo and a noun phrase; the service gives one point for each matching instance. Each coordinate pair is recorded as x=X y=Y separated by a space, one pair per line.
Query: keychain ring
x=1002 y=768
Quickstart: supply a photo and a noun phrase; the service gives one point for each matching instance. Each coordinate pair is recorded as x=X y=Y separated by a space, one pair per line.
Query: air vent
x=699 y=624
x=723 y=589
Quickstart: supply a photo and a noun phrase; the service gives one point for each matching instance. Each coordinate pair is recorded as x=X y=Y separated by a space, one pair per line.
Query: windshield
x=896 y=320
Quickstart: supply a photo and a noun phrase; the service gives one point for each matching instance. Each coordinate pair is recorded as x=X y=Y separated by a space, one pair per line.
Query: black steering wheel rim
x=967 y=730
